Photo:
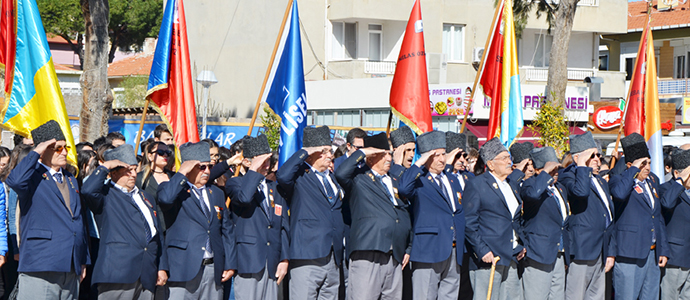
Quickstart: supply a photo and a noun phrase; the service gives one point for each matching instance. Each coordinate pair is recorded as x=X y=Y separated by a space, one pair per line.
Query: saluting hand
x=551 y=166
x=187 y=166
x=281 y=271
x=398 y=155
x=312 y=150
x=425 y=156
x=259 y=161
x=369 y=151
x=583 y=157
x=162 y=278
x=640 y=162
x=235 y=159
x=685 y=176
x=43 y=146
x=451 y=156
x=112 y=164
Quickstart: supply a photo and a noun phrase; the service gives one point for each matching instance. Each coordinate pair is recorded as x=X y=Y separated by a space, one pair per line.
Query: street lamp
x=207 y=79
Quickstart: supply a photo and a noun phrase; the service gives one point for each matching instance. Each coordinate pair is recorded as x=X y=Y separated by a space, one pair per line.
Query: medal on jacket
x=271 y=200
x=638 y=189
x=147 y=201
x=278 y=210
x=395 y=193
x=655 y=195
x=218 y=211
x=459 y=198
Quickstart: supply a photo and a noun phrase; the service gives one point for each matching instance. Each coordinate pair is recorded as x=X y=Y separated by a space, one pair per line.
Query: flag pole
x=480 y=70
x=141 y=125
x=390 y=119
x=270 y=66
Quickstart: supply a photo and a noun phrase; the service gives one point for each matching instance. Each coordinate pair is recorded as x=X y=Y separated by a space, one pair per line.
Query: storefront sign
x=686 y=110
x=450 y=100
x=607 y=117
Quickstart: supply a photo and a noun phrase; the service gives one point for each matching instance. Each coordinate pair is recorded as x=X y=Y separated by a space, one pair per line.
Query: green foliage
x=61 y=17
x=271 y=123
x=134 y=92
x=552 y=125
x=522 y=9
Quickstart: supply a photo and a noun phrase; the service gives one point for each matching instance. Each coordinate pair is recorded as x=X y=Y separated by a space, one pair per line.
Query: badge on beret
x=278 y=210
x=638 y=189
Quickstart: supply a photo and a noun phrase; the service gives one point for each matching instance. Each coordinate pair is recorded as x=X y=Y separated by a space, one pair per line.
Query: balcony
x=673 y=86
x=541 y=74
x=379 y=67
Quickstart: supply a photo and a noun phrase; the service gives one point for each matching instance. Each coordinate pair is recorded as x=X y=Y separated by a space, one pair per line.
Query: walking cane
x=491 y=277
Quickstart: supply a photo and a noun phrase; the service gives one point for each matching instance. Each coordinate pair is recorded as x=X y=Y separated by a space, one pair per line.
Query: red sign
x=607 y=117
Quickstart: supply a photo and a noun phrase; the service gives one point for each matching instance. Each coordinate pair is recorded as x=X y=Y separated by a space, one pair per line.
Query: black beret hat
x=540 y=156
x=520 y=151
x=123 y=153
x=401 y=136
x=49 y=130
x=255 y=146
x=581 y=142
x=378 y=141
x=200 y=151
x=455 y=140
x=430 y=141
x=634 y=147
x=491 y=149
x=316 y=136
x=681 y=159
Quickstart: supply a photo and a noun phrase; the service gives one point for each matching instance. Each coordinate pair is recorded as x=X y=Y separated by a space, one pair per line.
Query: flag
x=285 y=92
x=409 y=96
x=170 y=82
x=643 y=114
x=34 y=95
x=499 y=77
x=8 y=40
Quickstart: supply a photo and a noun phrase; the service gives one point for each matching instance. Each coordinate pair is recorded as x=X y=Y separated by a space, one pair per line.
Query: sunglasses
x=461 y=154
x=598 y=155
x=162 y=152
x=204 y=167
x=59 y=149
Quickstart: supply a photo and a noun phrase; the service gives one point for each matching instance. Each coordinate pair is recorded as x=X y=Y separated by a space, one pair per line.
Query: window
x=454 y=42
x=680 y=67
x=604 y=62
x=629 y=67
x=542 y=50
x=344 y=38
x=375 y=42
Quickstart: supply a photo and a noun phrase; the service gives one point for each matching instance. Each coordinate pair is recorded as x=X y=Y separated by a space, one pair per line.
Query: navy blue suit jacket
x=262 y=236
x=124 y=255
x=543 y=224
x=589 y=236
x=188 y=228
x=636 y=220
x=433 y=219
x=490 y=224
x=377 y=224
x=52 y=239
x=338 y=161
x=676 y=210
x=316 y=226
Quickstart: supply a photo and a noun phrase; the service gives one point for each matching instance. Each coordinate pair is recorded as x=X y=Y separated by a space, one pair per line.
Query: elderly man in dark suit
x=127 y=264
x=54 y=250
x=456 y=156
x=492 y=203
x=316 y=220
x=675 y=203
x=381 y=225
x=545 y=217
x=261 y=222
x=641 y=244
x=403 y=150
x=438 y=221
x=199 y=242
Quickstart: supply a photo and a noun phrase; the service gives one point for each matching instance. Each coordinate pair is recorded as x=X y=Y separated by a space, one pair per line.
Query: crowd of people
x=362 y=220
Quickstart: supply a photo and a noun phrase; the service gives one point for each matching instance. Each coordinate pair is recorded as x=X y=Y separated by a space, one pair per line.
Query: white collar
x=135 y=190
x=51 y=170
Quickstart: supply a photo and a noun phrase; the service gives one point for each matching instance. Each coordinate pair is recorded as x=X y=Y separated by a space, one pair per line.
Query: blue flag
x=285 y=92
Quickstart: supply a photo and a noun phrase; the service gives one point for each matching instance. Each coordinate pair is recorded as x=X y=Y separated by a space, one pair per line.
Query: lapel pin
x=495 y=186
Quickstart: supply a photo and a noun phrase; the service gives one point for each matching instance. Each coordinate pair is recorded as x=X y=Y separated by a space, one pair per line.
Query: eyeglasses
x=162 y=152
x=215 y=156
x=326 y=151
x=204 y=167
x=598 y=155
x=59 y=149
x=461 y=154
x=504 y=158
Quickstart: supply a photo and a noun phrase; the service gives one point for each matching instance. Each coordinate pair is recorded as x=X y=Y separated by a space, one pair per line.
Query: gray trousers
x=123 y=291
x=201 y=287
x=316 y=279
x=375 y=275
x=507 y=285
x=252 y=286
x=541 y=281
x=585 y=280
x=439 y=280
x=675 y=283
x=48 y=285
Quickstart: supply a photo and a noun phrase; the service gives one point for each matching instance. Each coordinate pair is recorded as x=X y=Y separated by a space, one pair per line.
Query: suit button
x=451 y=227
x=268 y=244
x=652 y=229
x=145 y=249
x=558 y=244
x=511 y=240
x=397 y=221
x=269 y=226
x=203 y=248
x=452 y=215
x=75 y=234
x=208 y=231
x=652 y=217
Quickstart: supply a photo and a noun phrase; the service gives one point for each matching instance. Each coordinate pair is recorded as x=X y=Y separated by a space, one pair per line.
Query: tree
x=271 y=123
x=134 y=92
x=63 y=18
x=552 y=125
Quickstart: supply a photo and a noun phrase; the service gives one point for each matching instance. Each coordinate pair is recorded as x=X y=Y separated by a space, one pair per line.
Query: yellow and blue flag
x=35 y=97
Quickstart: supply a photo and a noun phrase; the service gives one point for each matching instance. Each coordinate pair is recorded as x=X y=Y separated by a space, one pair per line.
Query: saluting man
x=261 y=222
x=403 y=150
x=127 y=264
x=199 y=251
x=54 y=250
x=380 y=235
x=456 y=149
x=521 y=160
x=545 y=217
x=438 y=221
x=675 y=201
x=641 y=244
x=492 y=203
x=316 y=220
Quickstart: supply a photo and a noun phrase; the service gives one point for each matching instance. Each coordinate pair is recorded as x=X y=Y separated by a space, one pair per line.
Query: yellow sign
x=686 y=110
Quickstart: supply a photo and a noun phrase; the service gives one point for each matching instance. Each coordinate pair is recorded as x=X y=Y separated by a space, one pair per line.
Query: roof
x=58 y=40
x=677 y=17
x=59 y=67
x=139 y=64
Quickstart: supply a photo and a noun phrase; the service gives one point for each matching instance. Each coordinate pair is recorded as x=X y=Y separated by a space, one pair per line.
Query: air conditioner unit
x=477 y=54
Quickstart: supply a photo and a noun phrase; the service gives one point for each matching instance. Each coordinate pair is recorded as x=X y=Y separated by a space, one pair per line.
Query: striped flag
x=643 y=114
x=8 y=40
x=34 y=93
x=499 y=78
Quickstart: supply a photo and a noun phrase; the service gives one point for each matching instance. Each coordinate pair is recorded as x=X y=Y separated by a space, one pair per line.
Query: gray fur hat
x=401 y=136
x=455 y=140
x=316 y=136
x=581 y=142
x=255 y=146
x=540 y=156
x=200 y=151
x=681 y=160
x=491 y=149
x=520 y=151
x=431 y=140
x=49 y=130
x=634 y=147
x=123 y=153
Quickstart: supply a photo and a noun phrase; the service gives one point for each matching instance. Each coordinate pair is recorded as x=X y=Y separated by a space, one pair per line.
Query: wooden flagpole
x=390 y=119
x=141 y=125
x=481 y=68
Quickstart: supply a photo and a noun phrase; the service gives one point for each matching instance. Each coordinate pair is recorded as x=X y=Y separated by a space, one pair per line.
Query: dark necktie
x=264 y=202
x=385 y=188
x=207 y=213
x=58 y=177
x=146 y=223
x=552 y=193
x=643 y=186
x=327 y=185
